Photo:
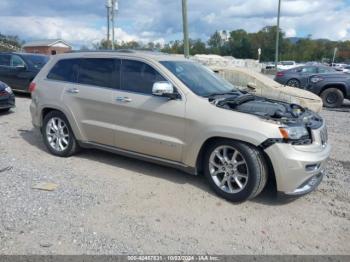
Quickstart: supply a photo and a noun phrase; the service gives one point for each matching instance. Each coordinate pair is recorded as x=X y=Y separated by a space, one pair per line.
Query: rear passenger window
x=102 y=72
x=139 y=77
x=310 y=69
x=65 y=70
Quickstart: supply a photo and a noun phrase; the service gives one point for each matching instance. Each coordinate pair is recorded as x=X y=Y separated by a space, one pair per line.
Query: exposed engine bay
x=288 y=114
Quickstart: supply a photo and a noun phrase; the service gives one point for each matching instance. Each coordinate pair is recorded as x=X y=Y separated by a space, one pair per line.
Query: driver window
x=139 y=77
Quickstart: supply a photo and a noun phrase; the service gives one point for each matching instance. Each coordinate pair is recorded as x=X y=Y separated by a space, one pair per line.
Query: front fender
x=193 y=149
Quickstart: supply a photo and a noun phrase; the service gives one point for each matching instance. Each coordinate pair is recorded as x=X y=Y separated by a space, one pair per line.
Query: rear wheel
x=236 y=171
x=332 y=97
x=58 y=135
x=293 y=82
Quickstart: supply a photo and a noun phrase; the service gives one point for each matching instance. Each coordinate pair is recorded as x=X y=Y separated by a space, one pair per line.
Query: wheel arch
x=339 y=86
x=71 y=121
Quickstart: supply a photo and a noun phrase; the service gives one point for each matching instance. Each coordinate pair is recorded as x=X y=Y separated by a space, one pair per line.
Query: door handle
x=123 y=99
x=73 y=90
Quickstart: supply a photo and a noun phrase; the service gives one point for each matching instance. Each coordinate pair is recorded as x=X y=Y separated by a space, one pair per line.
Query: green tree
x=215 y=43
x=197 y=47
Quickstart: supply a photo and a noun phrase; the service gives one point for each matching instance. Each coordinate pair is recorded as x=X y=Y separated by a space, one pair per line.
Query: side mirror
x=164 y=89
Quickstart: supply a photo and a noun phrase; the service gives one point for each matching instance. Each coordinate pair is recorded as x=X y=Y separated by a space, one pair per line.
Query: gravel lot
x=108 y=204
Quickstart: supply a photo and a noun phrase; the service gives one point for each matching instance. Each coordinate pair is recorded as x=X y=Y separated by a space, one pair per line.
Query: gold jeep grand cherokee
x=175 y=112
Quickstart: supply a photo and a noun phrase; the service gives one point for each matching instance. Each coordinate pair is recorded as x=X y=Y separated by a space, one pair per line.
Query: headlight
x=8 y=90
x=316 y=79
x=294 y=132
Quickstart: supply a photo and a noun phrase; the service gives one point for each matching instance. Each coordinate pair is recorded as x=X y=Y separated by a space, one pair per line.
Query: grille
x=324 y=136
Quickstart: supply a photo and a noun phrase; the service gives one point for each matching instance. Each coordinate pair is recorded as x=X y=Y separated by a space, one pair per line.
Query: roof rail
x=103 y=50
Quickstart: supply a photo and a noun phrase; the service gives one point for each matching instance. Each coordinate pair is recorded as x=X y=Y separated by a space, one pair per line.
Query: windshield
x=38 y=61
x=201 y=80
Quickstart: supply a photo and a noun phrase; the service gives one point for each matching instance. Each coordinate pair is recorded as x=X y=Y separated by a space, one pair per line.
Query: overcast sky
x=83 y=21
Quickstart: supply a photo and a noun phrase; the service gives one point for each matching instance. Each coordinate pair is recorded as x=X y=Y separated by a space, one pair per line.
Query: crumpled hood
x=288 y=114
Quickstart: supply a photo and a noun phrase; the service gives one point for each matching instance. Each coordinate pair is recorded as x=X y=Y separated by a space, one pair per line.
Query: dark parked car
x=332 y=86
x=17 y=70
x=298 y=76
x=7 y=98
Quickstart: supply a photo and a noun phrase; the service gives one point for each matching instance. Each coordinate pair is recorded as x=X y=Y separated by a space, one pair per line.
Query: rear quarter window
x=65 y=70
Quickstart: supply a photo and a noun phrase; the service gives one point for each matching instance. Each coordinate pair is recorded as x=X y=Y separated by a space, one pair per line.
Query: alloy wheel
x=293 y=83
x=228 y=169
x=57 y=134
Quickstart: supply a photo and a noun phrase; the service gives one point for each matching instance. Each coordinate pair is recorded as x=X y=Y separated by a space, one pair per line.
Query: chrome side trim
x=143 y=157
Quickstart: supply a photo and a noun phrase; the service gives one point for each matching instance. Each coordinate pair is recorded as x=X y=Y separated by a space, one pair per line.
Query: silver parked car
x=175 y=112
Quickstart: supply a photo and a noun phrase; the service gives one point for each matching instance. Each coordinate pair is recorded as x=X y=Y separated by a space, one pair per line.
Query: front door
x=305 y=73
x=145 y=123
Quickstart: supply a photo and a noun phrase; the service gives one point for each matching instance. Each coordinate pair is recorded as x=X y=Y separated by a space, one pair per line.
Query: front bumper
x=7 y=101
x=299 y=169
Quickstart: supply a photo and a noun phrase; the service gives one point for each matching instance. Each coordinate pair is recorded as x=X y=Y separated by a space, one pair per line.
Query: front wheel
x=236 y=171
x=58 y=135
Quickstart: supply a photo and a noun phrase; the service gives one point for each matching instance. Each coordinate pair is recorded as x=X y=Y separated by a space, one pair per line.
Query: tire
x=332 y=97
x=252 y=174
x=61 y=141
x=293 y=82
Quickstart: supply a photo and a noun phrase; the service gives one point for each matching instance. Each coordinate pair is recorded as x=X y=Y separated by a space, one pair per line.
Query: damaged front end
x=296 y=122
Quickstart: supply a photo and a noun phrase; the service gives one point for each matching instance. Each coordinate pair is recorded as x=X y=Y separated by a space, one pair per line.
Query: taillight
x=32 y=87
x=279 y=74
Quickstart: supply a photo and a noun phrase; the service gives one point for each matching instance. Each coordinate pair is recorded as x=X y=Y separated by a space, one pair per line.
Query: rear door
x=5 y=69
x=19 y=73
x=89 y=97
x=147 y=124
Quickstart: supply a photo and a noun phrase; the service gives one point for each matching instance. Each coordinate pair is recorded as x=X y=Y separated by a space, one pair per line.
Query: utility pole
x=334 y=54
x=278 y=33
x=112 y=21
x=112 y=9
x=108 y=7
x=185 y=29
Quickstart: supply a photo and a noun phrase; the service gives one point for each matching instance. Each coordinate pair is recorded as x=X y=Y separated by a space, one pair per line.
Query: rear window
x=38 y=61
x=103 y=72
x=65 y=70
x=99 y=72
